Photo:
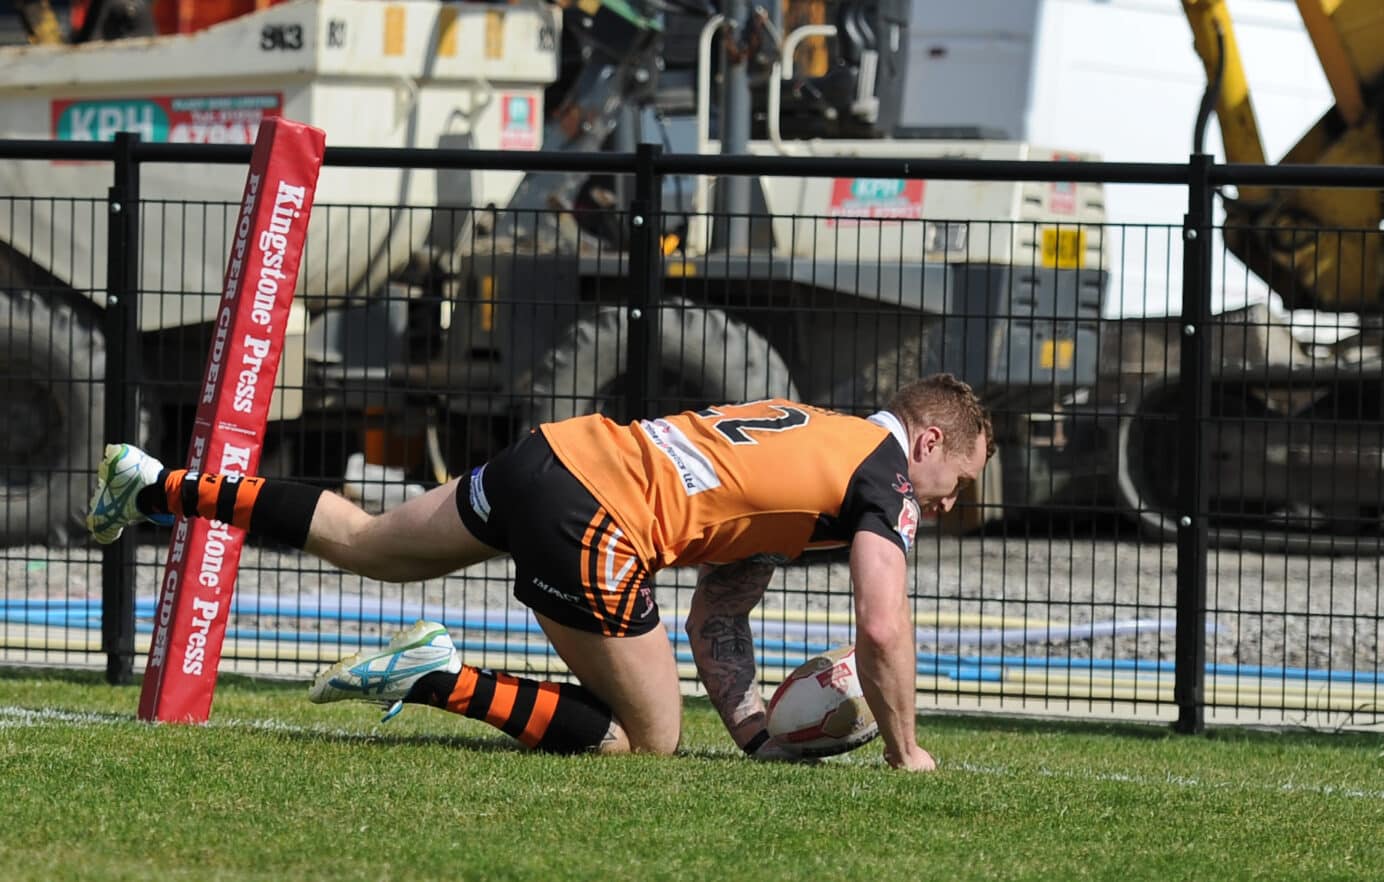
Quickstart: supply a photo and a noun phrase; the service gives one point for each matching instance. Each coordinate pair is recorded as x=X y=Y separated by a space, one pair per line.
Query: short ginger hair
x=951 y=405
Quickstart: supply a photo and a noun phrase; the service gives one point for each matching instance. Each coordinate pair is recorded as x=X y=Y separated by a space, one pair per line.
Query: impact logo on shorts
x=907 y=526
x=479 y=503
x=556 y=592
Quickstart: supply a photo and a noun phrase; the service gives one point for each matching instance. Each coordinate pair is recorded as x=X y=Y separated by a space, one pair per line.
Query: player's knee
x=659 y=737
x=660 y=743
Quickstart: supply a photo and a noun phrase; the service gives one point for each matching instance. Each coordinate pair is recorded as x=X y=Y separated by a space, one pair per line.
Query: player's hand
x=915 y=760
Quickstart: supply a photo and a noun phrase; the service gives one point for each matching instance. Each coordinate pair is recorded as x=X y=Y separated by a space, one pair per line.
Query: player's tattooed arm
x=718 y=630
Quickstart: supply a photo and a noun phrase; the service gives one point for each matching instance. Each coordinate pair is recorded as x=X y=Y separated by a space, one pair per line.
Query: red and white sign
x=1062 y=197
x=856 y=199
x=1062 y=194
x=518 y=122
x=185 y=119
x=204 y=555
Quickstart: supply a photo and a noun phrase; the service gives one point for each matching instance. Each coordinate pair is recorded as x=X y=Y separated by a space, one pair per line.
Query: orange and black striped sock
x=547 y=716
x=275 y=509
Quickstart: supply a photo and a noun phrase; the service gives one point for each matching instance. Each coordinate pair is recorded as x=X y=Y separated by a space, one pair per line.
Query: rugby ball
x=819 y=710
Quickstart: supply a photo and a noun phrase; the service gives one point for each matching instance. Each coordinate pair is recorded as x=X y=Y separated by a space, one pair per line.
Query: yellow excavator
x=101 y=20
x=1318 y=248
x=40 y=24
x=1296 y=440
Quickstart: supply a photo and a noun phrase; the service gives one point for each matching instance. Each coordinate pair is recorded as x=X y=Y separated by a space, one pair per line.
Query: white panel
x=970 y=64
x=1120 y=78
x=331 y=66
x=971 y=82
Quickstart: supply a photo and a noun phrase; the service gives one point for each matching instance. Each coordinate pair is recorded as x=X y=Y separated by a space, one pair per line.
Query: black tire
x=1145 y=475
x=1147 y=482
x=707 y=357
x=52 y=403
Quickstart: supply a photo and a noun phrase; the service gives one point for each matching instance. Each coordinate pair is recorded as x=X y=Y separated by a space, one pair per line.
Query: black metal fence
x=1184 y=517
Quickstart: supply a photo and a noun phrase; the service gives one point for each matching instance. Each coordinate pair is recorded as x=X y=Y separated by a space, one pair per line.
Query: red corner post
x=204 y=555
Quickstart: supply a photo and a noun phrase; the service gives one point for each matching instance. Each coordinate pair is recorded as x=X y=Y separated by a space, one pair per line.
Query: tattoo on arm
x=728 y=637
x=739 y=585
x=728 y=669
x=718 y=630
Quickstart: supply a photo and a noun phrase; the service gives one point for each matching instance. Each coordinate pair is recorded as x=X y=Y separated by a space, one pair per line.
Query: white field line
x=1175 y=780
x=20 y=717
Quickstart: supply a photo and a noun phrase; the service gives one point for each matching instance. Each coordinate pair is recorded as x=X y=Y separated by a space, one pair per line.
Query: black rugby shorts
x=573 y=564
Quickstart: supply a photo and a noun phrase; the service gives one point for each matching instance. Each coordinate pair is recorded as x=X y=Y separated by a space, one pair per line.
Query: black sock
x=275 y=509
x=547 y=716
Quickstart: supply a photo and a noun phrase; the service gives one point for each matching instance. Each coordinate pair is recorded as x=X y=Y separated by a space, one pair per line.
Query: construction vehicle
x=456 y=338
x=1297 y=438
x=421 y=74
x=1010 y=305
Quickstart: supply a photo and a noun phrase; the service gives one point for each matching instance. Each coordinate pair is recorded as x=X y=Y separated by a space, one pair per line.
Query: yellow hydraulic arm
x=1318 y=248
x=1210 y=21
x=39 y=22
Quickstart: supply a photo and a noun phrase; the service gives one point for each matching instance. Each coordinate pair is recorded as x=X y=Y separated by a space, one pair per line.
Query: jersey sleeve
x=879 y=498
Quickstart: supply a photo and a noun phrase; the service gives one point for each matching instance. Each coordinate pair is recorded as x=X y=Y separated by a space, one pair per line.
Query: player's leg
x=591 y=594
x=422 y=538
x=636 y=677
x=627 y=698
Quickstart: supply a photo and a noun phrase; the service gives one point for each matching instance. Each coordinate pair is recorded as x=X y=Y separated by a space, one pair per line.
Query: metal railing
x=636 y=286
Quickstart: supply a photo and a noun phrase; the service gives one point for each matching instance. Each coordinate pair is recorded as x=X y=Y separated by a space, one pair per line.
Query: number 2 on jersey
x=735 y=428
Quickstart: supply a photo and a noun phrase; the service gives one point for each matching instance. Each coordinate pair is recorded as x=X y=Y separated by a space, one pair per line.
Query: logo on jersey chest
x=907 y=526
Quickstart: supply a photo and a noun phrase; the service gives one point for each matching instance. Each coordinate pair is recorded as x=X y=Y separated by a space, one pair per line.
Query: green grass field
x=277 y=788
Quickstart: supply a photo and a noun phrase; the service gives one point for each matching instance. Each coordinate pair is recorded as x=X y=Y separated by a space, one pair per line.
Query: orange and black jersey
x=731 y=482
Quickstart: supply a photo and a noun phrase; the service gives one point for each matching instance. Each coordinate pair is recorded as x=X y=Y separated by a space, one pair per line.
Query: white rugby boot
x=124 y=472
x=386 y=675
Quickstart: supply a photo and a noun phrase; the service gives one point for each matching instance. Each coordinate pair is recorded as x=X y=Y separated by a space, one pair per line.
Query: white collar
x=889 y=421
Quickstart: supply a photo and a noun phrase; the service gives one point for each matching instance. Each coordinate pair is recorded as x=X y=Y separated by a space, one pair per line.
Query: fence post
x=646 y=281
x=122 y=405
x=1193 y=494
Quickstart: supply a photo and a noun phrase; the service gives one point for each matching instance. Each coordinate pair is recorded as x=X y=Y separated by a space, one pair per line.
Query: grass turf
x=276 y=788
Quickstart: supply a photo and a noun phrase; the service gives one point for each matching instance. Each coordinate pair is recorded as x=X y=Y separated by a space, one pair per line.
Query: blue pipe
x=83 y=613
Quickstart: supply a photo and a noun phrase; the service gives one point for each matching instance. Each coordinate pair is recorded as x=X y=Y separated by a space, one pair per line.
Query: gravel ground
x=1265 y=609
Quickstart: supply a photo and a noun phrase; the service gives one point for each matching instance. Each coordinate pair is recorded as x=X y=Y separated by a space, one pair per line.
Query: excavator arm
x=102 y=20
x=1318 y=248
x=40 y=24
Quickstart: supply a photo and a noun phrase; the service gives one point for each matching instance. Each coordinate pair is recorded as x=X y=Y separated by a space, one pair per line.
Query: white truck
x=517 y=334
x=396 y=75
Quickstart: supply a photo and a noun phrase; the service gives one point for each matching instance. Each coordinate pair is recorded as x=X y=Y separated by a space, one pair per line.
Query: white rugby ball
x=819 y=710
